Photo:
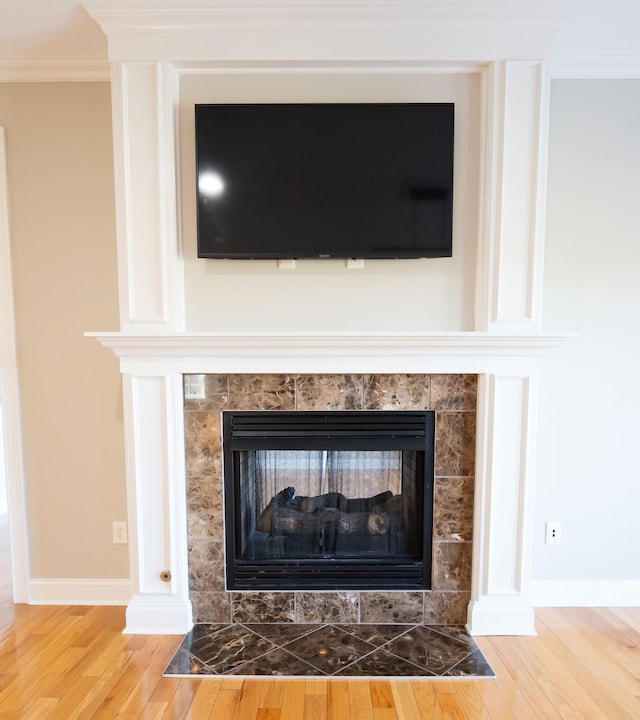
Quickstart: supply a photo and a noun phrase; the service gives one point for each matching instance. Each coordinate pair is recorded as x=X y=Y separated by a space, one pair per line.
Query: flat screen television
x=340 y=180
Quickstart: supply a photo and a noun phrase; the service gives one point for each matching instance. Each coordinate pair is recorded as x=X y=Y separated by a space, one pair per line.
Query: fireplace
x=451 y=398
x=328 y=500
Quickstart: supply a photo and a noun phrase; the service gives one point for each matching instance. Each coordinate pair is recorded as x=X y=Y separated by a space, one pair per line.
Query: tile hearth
x=330 y=650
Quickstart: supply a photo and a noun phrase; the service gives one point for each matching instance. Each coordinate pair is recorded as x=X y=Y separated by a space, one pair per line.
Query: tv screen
x=324 y=180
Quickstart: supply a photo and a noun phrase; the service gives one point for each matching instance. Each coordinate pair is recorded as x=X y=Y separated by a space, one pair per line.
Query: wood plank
x=249 y=701
x=293 y=696
x=205 y=699
x=381 y=695
x=338 y=700
x=315 y=706
x=404 y=698
x=426 y=699
x=360 y=700
x=226 y=704
x=448 y=700
x=271 y=696
x=471 y=701
x=523 y=677
x=515 y=701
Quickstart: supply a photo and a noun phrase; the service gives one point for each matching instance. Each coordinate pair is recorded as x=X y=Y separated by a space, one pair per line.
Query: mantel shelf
x=317 y=352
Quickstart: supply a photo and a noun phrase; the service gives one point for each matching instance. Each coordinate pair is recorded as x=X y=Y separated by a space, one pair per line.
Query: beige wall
x=59 y=156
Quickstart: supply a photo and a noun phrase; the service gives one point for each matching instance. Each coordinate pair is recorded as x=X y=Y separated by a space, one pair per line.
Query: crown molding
x=268 y=29
x=163 y=18
x=47 y=70
x=596 y=67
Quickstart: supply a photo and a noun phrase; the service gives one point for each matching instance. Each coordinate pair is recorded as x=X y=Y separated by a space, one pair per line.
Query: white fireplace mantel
x=151 y=49
x=201 y=352
x=508 y=369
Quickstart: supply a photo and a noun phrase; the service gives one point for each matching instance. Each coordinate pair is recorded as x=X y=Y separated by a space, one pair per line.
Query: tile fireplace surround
x=453 y=397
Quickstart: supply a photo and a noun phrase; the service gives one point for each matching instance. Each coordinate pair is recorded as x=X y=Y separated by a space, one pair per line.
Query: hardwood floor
x=73 y=663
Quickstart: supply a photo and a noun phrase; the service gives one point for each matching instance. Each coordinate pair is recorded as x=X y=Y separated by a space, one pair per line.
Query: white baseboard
x=496 y=616
x=584 y=593
x=80 y=592
x=149 y=614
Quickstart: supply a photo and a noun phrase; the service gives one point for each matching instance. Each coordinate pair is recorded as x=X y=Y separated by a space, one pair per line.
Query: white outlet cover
x=194 y=387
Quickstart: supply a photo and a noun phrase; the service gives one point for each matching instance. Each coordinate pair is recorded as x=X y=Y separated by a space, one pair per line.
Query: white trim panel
x=515 y=99
x=149 y=264
x=10 y=399
x=154 y=442
x=507 y=412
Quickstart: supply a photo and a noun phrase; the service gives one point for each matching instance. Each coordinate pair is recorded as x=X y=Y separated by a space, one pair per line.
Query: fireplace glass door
x=328 y=500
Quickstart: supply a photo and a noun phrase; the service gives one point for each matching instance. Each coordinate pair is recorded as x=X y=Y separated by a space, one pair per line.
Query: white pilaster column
x=508 y=299
x=512 y=202
x=156 y=504
x=144 y=102
x=505 y=451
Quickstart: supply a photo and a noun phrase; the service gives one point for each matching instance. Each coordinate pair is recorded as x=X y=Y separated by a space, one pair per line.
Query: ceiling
x=601 y=38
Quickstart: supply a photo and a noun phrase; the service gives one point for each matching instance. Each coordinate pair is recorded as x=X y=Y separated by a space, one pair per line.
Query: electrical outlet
x=554 y=536
x=120 y=533
x=194 y=387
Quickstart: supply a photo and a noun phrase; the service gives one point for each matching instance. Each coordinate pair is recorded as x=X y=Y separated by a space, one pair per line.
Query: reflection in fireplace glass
x=320 y=503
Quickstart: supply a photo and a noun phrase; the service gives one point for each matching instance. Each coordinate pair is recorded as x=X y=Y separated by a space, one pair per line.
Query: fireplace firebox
x=328 y=500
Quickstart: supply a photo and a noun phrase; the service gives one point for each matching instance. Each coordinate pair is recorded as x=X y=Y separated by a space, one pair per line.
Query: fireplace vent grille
x=401 y=429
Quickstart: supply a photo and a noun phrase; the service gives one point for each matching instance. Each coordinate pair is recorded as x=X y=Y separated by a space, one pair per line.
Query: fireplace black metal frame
x=331 y=430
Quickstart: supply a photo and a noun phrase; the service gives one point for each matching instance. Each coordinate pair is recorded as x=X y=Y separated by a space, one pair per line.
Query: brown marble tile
x=202 y=440
x=263 y=607
x=261 y=392
x=445 y=608
x=206 y=566
x=453 y=392
x=451 y=566
x=211 y=607
x=376 y=634
x=391 y=607
x=329 y=392
x=396 y=392
x=227 y=648
x=453 y=509
x=205 y=515
x=455 y=444
x=323 y=607
x=429 y=649
x=329 y=649
x=381 y=663
x=277 y=662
